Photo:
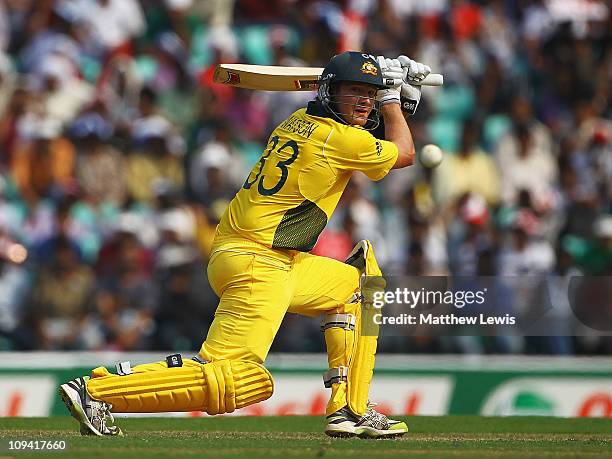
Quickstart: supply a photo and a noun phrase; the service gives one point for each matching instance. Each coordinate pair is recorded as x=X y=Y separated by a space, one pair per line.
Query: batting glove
x=414 y=72
x=392 y=75
x=410 y=96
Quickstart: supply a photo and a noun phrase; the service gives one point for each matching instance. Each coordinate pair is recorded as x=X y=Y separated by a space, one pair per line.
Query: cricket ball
x=431 y=155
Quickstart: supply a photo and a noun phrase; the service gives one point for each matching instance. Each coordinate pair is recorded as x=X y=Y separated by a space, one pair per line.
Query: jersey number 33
x=263 y=186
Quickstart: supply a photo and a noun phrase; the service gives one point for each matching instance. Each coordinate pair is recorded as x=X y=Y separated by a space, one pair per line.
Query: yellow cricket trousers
x=258 y=286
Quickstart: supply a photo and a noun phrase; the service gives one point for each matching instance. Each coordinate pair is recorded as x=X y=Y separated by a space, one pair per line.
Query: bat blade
x=279 y=78
x=268 y=77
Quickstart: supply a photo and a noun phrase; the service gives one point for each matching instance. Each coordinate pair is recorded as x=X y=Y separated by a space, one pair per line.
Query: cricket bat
x=279 y=78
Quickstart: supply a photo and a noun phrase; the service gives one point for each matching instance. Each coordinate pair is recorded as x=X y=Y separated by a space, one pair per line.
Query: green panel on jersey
x=300 y=227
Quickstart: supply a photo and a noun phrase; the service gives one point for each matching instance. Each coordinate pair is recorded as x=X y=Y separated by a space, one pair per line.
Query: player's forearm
x=398 y=132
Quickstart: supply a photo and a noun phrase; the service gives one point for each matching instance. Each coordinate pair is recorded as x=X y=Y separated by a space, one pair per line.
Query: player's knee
x=235 y=384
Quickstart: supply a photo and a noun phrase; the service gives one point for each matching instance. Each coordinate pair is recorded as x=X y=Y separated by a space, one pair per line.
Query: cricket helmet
x=350 y=67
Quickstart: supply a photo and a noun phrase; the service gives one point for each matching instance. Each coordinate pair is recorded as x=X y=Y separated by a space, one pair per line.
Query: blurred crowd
x=118 y=155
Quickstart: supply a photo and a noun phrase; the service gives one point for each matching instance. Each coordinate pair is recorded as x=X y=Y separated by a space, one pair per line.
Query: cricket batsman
x=261 y=268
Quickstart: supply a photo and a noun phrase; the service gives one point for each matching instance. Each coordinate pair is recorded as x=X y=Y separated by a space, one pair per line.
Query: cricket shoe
x=94 y=416
x=343 y=423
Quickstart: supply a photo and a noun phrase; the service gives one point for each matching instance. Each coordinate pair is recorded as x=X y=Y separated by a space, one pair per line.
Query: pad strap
x=335 y=375
x=344 y=321
x=123 y=368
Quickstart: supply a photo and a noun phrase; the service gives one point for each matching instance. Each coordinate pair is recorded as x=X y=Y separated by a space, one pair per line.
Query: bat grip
x=433 y=79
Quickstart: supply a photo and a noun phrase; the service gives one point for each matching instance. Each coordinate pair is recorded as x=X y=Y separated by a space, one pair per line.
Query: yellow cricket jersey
x=292 y=191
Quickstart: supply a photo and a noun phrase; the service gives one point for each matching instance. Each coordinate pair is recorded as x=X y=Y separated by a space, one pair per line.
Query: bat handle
x=433 y=79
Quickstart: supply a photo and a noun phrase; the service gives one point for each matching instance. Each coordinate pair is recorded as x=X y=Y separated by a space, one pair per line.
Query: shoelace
x=102 y=415
x=107 y=412
x=373 y=417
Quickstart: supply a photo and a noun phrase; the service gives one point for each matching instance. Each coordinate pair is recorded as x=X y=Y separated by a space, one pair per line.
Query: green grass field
x=293 y=437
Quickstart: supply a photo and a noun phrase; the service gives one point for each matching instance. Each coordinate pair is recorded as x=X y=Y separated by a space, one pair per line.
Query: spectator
x=8 y=82
x=526 y=254
x=525 y=164
x=213 y=159
x=99 y=166
x=156 y=154
x=61 y=297
x=10 y=117
x=187 y=302
x=470 y=170
x=359 y=210
x=469 y=235
x=44 y=166
x=14 y=287
x=112 y=24
x=127 y=297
